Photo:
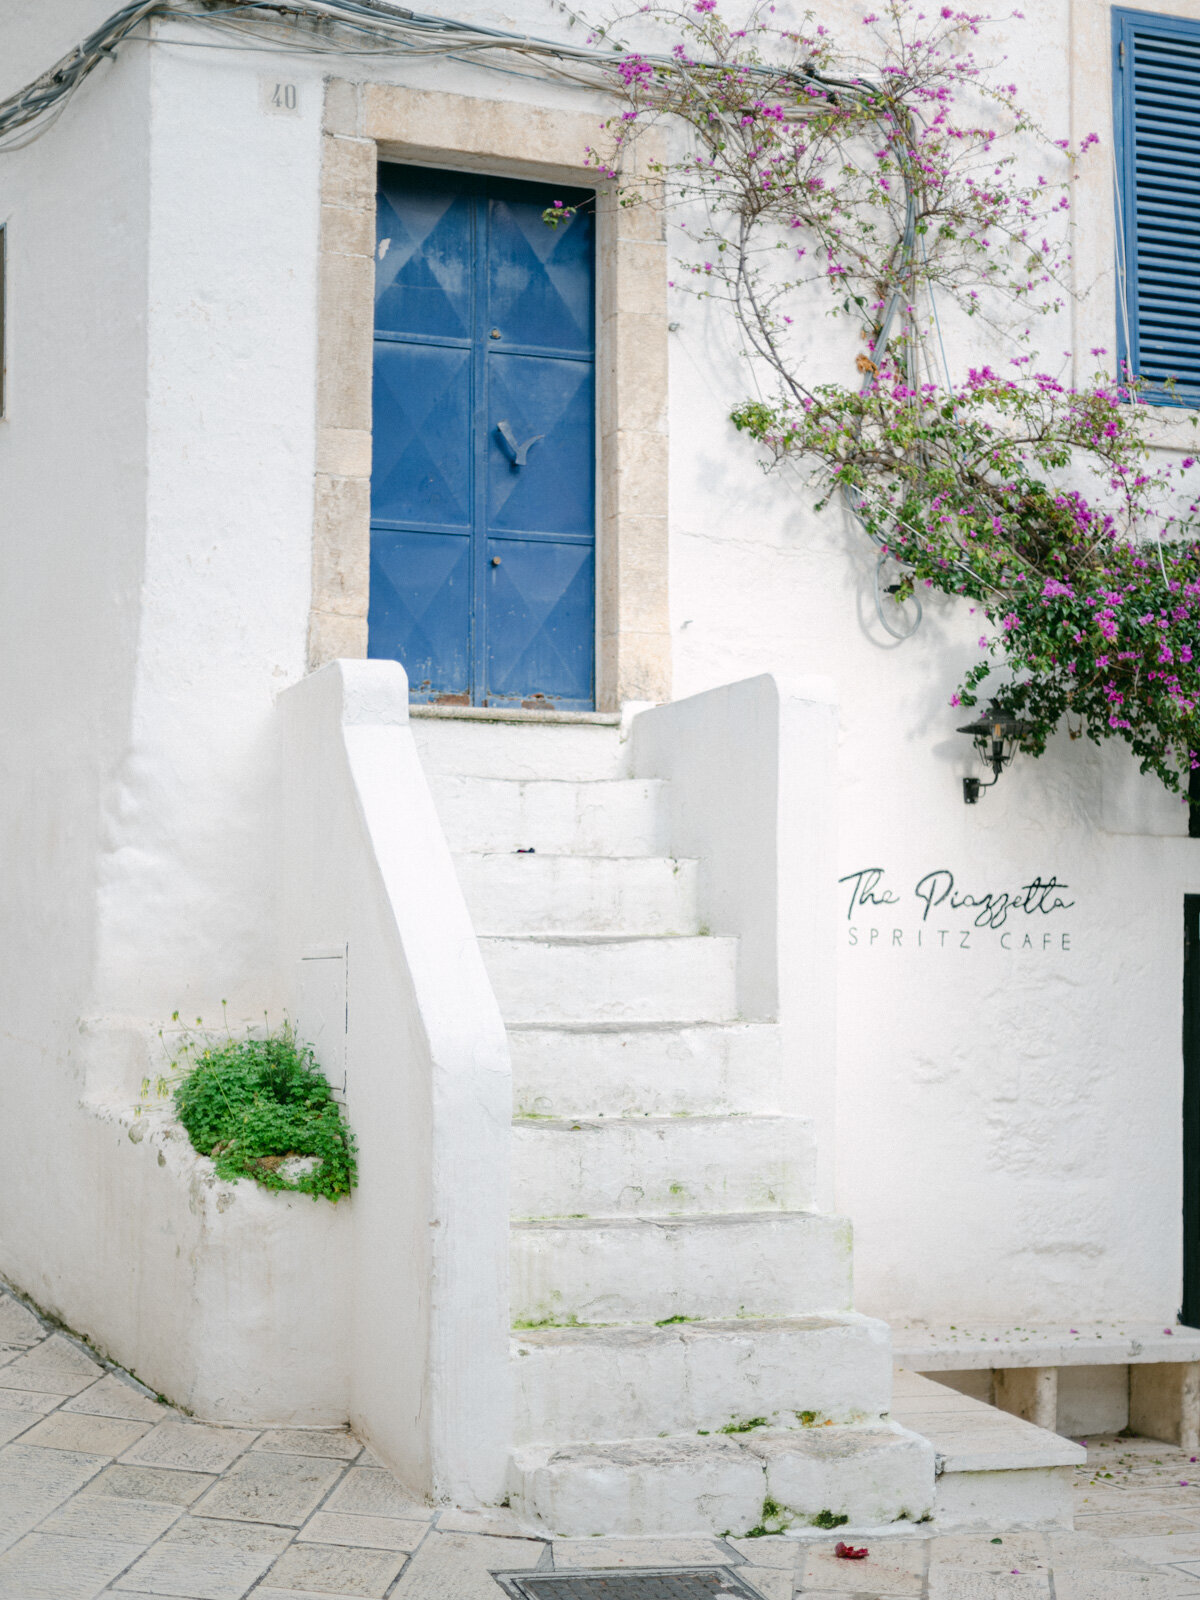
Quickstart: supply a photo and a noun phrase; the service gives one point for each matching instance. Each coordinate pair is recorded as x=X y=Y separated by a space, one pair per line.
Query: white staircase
x=685 y=1354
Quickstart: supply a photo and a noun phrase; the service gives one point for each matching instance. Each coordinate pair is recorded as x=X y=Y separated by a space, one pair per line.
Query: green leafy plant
x=829 y=1519
x=773 y=1519
x=261 y=1108
x=1090 y=604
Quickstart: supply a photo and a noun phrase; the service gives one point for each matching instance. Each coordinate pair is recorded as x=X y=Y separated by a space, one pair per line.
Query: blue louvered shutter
x=1157 y=123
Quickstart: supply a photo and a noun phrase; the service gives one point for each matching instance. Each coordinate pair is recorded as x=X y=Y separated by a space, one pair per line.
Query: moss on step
x=744 y=1425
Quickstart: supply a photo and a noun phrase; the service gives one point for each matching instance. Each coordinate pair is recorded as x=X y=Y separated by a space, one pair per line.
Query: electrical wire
x=383 y=28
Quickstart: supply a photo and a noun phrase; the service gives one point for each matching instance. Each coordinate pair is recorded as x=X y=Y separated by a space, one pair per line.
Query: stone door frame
x=371 y=122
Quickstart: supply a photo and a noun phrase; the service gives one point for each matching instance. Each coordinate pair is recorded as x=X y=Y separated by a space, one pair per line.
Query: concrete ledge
x=1032 y=1497
x=970 y=1436
x=994 y=1470
x=921 y=1348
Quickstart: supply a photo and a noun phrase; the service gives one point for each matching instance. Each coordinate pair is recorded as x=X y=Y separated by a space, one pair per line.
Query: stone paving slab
x=192 y=1445
x=271 y=1488
x=371 y=1491
x=18 y=1325
x=947 y=1582
x=774 y=1583
x=13 y=1423
x=301 y=1594
x=44 y=1566
x=61 y=1371
x=35 y=1482
x=173 y=1488
x=193 y=1511
x=101 y=1436
x=638 y=1553
x=459 y=1566
x=113 y=1396
x=897 y=1567
x=499 y=1523
x=338 y=1442
x=331 y=1570
x=772 y=1550
x=95 y=1516
x=371 y=1533
x=34 y=1400
x=205 y=1560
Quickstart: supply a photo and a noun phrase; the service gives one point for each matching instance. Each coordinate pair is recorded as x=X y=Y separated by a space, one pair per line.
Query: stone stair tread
x=598 y=938
x=634 y=1025
x=694 y=1378
x=520 y=749
x=524 y=895
x=623 y=818
x=608 y=978
x=535 y=856
x=664 y=1166
x=638 y=1334
x=872 y=1474
x=699 y=1219
x=591 y=932
x=650 y=1119
x=971 y=1436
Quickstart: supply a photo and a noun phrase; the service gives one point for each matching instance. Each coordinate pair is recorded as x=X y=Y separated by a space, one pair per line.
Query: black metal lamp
x=995 y=734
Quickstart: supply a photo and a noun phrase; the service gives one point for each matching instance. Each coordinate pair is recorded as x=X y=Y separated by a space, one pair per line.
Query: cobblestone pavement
x=103 y=1491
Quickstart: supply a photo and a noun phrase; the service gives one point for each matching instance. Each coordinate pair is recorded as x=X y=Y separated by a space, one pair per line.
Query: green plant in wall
x=896 y=183
x=261 y=1108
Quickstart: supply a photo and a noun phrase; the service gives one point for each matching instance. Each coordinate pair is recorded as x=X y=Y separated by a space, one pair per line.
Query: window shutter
x=1157 y=71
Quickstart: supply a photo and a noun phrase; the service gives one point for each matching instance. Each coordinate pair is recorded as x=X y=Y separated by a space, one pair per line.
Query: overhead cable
x=397 y=30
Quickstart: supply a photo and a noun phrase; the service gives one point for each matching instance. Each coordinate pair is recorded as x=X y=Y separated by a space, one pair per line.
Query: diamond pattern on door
x=539 y=281
x=421 y=605
x=421 y=466
x=423 y=279
x=539 y=621
x=552 y=493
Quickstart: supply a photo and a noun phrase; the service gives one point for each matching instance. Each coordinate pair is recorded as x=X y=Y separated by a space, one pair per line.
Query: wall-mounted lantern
x=995 y=734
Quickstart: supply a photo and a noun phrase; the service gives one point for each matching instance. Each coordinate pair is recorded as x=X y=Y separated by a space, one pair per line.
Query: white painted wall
x=365 y=868
x=1009 y=1118
x=157 y=467
x=751 y=786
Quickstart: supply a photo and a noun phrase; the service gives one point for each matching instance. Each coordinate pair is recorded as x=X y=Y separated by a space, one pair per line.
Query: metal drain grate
x=642 y=1583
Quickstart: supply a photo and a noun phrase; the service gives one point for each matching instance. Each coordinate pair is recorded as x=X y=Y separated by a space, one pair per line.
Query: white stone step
x=479 y=746
x=631 y=1269
x=562 y=979
x=630 y=895
x=870 y=1475
x=653 y=1069
x=661 y=1166
x=997 y=1471
x=617 y=816
x=619 y=1383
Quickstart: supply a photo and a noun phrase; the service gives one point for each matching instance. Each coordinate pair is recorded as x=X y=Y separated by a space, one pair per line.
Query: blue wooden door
x=483 y=472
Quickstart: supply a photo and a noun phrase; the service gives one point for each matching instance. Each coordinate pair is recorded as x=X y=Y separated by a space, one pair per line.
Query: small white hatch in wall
x=321 y=1010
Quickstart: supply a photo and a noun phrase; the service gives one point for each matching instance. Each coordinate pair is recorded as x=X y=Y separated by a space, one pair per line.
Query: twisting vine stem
x=886 y=178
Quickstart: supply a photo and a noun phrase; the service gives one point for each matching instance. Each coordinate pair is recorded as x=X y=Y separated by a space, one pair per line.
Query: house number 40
x=278 y=98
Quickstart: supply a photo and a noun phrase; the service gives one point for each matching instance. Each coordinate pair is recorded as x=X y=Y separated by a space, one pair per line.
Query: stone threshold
x=598 y=719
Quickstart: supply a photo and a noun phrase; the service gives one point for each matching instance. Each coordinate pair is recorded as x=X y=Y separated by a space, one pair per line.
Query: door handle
x=519 y=452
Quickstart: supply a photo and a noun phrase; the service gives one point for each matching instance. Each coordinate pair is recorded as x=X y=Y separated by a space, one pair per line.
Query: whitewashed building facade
x=643 y=1008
